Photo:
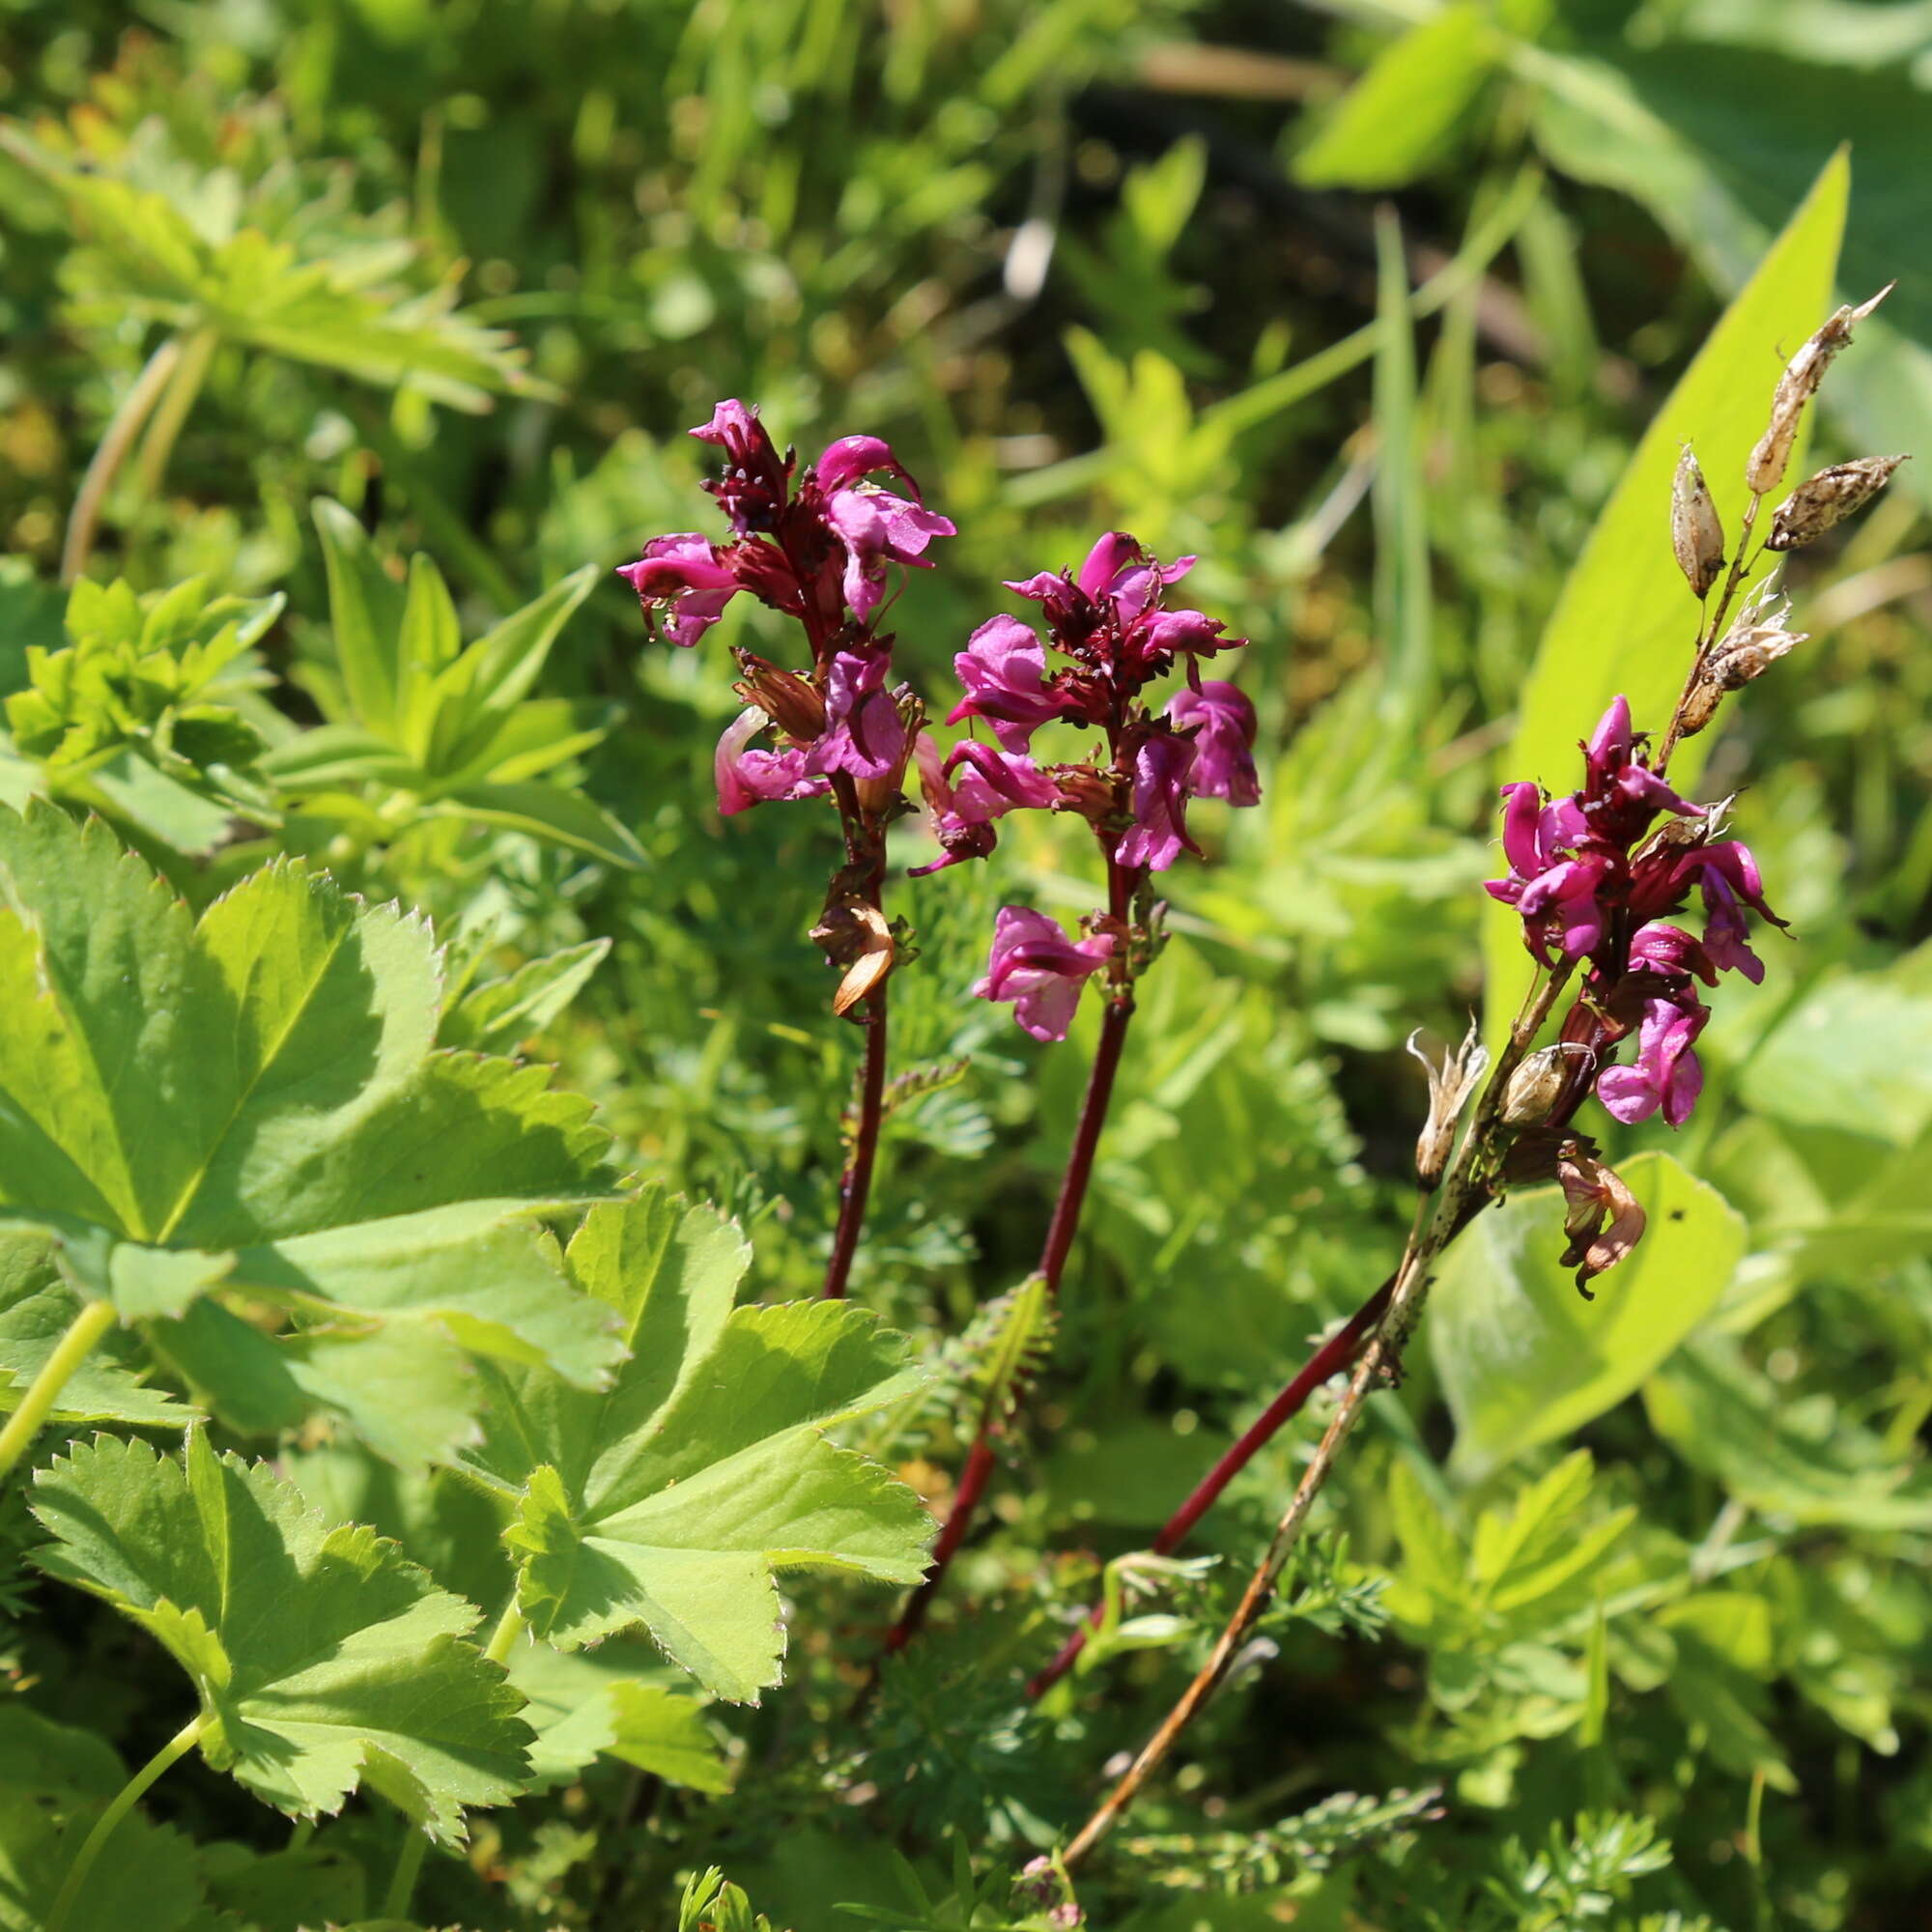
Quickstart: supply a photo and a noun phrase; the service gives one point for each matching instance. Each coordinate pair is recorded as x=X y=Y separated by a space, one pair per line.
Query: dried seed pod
x=1824 y=500
x=1603 y=1219
x=1696 y=532
x=1699 y=705
x=1450 y=1086
x=1536 y=1086
x=1747 y=650
x=1765 y=469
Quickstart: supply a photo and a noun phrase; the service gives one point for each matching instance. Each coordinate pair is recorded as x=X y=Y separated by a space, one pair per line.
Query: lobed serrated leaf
x=254 y=1102
x=323 y=1659
x=671 y=1501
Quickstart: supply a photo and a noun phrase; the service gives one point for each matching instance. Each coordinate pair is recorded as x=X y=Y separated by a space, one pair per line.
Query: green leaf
x=148 y=1880
x=671 y=1501
x=500 y=1012
x=590 y=1704
x=477 y=695
x=549 y=813
x=1524 y=1357
x=1399 y=116
x=253 y=1100
x=365 y=613
x=1626 y=622
x=323 y=1661
x=36 y=1307
x=50 y=1759
x=1798 y=1460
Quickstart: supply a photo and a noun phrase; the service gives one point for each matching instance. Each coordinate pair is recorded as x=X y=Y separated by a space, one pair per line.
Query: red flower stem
x=855 y=1184
x=1334 y=1355
x=1059 y=1232
x=862 y=838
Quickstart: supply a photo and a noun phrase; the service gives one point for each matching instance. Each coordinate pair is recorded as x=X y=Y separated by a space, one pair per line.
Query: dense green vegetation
x=450 y=1142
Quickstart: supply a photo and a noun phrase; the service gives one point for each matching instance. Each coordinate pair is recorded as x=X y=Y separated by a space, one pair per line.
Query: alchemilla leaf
x=323 y=1659
x=254 y=1100
x=670 y=1500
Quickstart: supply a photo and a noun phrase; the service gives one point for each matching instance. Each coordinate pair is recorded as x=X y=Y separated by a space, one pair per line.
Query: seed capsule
x=1535 y=1087
x=1795 y=387
x=1827 y=499
x=1696 y=532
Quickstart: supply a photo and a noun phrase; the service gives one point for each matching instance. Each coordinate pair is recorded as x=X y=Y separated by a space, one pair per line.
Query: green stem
x=502 y=1639
x=121 y=429
x=86 y=1328
x=403 y=1881
x=178 y=1746
x=150 y=466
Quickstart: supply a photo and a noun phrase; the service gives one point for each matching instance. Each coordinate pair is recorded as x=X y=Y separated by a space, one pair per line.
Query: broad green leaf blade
x=36 y=1308
x=52 y=1759
x=672 y=1501
x=477 y=1269
x=321 y=1659
x=429 y=638
x=264 y=1085
x=1801 y=1462
x=550 y=813
x=500 y=1012
x=1626 y=622
x=338 y=755
x=1402 y=114
x=1524 y=1357
x=365 y=612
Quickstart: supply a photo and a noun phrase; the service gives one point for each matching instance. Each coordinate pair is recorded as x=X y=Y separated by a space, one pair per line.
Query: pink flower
x=1665 y=1073
x=1159 y=830
x=1726 y=930
x=747 y=777
x=1222 y=723
x=1004 y=671
x=1109 y=617
x=1036 y=966
x=864 y=732
x=876 y=528
x=687 y=580
x=974 y=786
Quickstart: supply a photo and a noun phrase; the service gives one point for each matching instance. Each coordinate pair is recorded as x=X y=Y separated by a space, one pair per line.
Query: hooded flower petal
x=686 y=579
x=878 y=528
x=1036 y=966
x=864 y=732
x=1222 y=721
x=1159 y=830
x=747 y=777
x=1004 y=671
x=1665 y=1074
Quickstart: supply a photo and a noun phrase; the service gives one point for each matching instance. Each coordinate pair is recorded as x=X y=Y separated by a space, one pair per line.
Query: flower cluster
x=1595 y=878
x=814 y=544
x=1110 y=624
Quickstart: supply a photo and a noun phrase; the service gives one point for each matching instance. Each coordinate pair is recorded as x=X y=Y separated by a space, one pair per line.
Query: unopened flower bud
x=788 y=699
x=1795 y=387
x=1696 y=534
x=1535 y=1087
x=1827 y=499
